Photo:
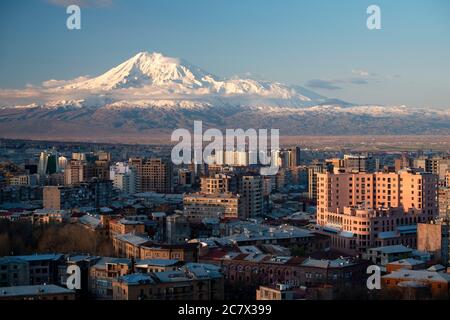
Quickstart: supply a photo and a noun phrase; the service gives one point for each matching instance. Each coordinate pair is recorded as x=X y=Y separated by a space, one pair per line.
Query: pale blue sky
x=323 y=45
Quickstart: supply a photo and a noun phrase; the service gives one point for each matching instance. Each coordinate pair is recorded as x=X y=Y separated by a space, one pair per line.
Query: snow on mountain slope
x=153 y=75
x=146 y=69
x=151 y=91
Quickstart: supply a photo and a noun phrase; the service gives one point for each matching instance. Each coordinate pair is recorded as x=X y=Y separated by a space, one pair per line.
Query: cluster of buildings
x=211 y=232
x=44 y=277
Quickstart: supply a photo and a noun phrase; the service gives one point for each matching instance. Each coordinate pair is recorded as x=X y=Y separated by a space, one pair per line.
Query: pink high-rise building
x=362 y=210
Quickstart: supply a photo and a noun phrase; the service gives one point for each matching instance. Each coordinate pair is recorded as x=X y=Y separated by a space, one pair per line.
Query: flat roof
x=171 y=276
x=418 y=275
x=132 y=238
x=137 y=278
x=37 y=257
x=407 y=262
x=157 y=262
x=393 y=249
x=18 y=291
x=336 y=263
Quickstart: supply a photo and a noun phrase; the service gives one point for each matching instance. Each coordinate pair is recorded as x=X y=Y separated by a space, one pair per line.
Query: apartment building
x=124 y=226
x=138 y=247
x=95 y=193
x=198 y=206
x=250 y=189
x=414 y=192
x=13 y=272
x=153 y=175
x=313 y=171
x=362 y=210
x=187 y=284
x=104 y=272
x=265 y=269
x=218 y=183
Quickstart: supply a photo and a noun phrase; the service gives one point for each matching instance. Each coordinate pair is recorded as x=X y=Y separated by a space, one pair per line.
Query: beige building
x=138 y=247
x=24 y=180
x=78 y=171
x=219 y=183
x=444 y=202
x=46 y=216
x=224 y=205
x=104 y=272
x=52 y=198
x=123 y=226
x=153 y=175
x=434 y=238
x=251 y=193
x=279 y=292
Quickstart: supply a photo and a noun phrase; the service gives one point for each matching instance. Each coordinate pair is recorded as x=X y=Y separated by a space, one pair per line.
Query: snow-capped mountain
x=147 y=69
x=151 y=92
x=153 y=76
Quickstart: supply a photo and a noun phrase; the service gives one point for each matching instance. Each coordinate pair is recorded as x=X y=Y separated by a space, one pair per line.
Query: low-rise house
x=46 y=216
x=422 y=283
x=124 y=226
x=383 y=255
x=280 y=292
x=104 y=272
x=405 y=264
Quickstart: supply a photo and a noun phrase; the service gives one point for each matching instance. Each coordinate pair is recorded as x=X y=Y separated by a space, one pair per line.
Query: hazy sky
x=322 y=45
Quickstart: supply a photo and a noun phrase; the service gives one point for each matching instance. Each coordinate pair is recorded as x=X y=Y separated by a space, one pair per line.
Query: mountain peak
x=153 y=57
x=156 y=75
x=144 y=69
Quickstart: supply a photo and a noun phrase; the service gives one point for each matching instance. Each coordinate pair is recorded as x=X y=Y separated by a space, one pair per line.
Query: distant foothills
x=146 y=97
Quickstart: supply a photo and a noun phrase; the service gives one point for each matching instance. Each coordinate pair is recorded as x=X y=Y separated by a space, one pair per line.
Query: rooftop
x=407 y=262
x=336 y=263
x=172 y=276
x=130 y=222
x=89 y=220
x=132 y=238
x=203 y=270
x=37 y=257
x=418 y=275
x=137 y=278
x=19 y=291
x=393 y=249
x=157 y=262
x=111 y=260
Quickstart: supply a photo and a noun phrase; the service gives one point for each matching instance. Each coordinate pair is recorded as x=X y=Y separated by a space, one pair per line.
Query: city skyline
x=233 y=153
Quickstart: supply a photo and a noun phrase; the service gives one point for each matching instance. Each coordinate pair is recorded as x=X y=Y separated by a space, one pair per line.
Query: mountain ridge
x=150 y=91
